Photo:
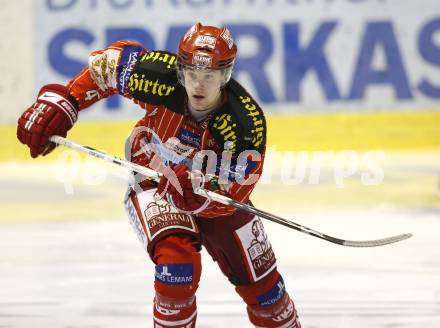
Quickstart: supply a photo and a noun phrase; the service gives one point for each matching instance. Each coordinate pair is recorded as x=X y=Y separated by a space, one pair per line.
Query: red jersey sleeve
x=107 y=73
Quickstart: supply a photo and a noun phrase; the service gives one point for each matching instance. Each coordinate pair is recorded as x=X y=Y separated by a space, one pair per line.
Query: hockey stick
x=154 y=176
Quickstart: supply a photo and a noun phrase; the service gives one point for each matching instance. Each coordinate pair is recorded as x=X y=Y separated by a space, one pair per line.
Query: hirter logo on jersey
x=202 y=60
x=226 y=127
x=258 y=131
x=205 y=41
x=256 y=248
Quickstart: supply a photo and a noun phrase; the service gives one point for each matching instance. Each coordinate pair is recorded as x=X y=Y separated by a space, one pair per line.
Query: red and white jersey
x=232 y=138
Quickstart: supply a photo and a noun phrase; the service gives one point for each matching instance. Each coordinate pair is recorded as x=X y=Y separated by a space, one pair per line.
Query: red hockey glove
x=52 y=114
x=189 y=201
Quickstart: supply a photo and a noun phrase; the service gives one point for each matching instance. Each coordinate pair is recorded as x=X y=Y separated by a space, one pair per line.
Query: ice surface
x=88 y=269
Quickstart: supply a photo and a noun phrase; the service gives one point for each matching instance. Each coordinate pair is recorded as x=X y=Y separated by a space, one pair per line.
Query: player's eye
x=191 y=75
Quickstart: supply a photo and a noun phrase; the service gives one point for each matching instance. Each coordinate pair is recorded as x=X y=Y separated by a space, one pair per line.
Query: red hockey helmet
x=206 y=47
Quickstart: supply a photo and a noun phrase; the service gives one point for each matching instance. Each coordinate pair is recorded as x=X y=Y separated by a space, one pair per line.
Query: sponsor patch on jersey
x=273 y=295
x=129 y=57
x=163 y=57
x=174 y=274
x=256 y=249
x=234 y=170
x=172 y=151
x=189 y=138
x=161 y=216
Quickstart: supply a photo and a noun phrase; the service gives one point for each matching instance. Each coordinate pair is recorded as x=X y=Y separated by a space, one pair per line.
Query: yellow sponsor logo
x=257 y=120
x=140 y=83
x=166 y=58
x=225 y=127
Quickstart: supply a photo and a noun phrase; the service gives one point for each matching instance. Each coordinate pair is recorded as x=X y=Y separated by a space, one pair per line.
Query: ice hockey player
x=195 y=117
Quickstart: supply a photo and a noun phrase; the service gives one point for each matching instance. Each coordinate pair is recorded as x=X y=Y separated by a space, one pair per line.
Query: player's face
x=203 y=87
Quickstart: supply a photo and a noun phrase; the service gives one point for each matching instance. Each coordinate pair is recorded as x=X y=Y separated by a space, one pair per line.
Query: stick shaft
x=155 y=176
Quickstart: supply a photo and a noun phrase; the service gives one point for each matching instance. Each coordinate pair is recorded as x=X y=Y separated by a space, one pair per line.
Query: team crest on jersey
x=257 y=249
x=103 y=68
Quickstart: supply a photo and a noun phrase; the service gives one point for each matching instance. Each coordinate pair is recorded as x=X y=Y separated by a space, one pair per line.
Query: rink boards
x=336 y=131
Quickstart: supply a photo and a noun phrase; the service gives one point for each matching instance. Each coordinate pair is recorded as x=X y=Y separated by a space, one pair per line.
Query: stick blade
x=377 y=242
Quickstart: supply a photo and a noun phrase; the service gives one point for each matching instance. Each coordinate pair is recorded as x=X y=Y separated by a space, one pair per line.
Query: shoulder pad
x=240 y=124
x=154 y=79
